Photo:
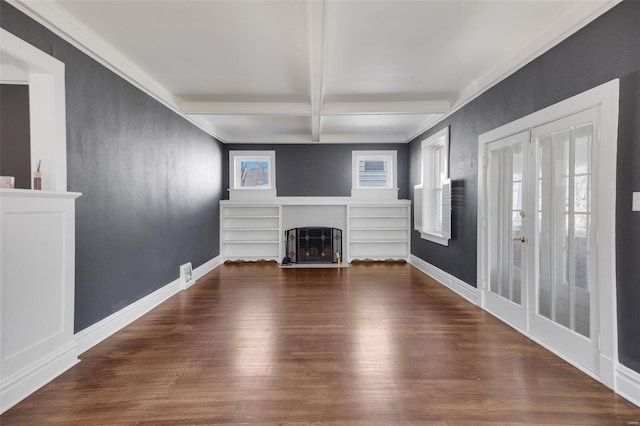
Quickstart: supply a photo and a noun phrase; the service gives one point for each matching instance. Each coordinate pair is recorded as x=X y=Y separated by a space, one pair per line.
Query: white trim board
x=455 y=284
x=96 y=333
x=627 y=384
x=27 y=381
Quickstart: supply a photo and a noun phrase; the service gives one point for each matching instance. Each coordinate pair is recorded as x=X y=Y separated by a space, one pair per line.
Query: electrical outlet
x=636 y=202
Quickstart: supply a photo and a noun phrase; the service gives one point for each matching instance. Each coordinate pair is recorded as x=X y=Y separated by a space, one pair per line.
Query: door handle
x=520 y=238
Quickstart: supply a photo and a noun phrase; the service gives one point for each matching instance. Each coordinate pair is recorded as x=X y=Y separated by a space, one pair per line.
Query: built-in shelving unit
x=371 y=230
x=251 y=231
x=379 y=232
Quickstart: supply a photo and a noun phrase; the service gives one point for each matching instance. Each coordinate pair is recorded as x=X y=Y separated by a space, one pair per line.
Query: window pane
x=437 y=209
x=560 y=228
x=373 y=173
x=544 y=223
x=494 y=220
x=442 y=167
x=516 y=223
x=254 y=174
x=581 y=236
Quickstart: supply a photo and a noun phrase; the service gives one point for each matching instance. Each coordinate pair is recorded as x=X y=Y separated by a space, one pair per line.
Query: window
x=374 y=169
x=252 y=169
x=432 y=198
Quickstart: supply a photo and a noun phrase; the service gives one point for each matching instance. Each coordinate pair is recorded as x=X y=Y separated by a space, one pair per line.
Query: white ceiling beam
x=246 y=108
x=316 y=127
x=270 y=139
x=316 y=16
x=362 y=138
x=396 y=107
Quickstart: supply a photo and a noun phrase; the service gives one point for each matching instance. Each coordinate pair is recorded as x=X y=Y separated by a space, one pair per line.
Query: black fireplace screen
x=314 y=245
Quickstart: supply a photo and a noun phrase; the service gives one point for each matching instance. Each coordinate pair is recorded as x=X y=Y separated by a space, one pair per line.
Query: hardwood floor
x=369 y=344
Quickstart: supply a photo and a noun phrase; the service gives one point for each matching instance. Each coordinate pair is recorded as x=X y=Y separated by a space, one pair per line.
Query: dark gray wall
x=15 y=139
x=319 y=169
x=151 y=182
x=606 y=49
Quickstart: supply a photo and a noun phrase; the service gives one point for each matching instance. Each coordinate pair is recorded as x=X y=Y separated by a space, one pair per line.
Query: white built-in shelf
x=371 y=230
x=379 y=231
x=250 y=231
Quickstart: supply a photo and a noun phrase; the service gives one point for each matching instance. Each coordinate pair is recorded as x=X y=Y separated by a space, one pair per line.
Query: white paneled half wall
x=37 y=264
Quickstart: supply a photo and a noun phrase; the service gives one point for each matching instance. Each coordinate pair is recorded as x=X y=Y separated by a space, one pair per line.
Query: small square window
x=253 y=174
x=374 y=169
x=252 y=169
x=373 y=173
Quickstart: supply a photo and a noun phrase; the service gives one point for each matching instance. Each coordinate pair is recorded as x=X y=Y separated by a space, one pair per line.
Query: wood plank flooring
x=366 y=345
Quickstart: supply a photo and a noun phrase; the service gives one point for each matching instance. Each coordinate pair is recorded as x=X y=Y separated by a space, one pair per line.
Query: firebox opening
x=313 y=244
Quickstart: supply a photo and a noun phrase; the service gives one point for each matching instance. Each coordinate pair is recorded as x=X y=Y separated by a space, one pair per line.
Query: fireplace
x=313 y=245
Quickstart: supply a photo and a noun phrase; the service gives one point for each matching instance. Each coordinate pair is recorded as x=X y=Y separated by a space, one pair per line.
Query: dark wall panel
x=151 y=182
x=15 y=135
x=606 y=49
x=318 y=169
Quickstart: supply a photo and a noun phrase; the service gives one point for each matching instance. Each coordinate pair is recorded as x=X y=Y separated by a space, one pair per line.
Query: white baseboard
x=96 y=333
x=628 y=384
x=455 y=284
x=207 y=267
x=621 y=379
x=607 y=371
x=26 y=381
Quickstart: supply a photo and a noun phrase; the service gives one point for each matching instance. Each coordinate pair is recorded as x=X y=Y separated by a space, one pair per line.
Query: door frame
x=606 y=97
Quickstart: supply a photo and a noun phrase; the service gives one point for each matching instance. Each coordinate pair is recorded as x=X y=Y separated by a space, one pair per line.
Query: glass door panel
x=564 y=227
x=564 y=209
x=506 y=231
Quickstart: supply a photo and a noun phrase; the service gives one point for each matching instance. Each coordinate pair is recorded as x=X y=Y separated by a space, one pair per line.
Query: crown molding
x=64 y=25
x=428 y=123
x=566 y=24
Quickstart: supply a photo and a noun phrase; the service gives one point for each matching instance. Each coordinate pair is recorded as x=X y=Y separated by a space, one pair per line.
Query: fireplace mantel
x=377 y=230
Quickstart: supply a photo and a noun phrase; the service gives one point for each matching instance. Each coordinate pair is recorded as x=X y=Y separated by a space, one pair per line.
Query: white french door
x=565 y=312
x=538 y=231
x=507 y=166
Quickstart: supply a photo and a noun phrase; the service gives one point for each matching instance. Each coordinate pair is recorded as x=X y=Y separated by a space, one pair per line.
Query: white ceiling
x=325 y=71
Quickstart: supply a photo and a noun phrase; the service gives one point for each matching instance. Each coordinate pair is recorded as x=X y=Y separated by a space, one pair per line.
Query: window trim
x=391 y=156
x=235 y=157
x=428 y=226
